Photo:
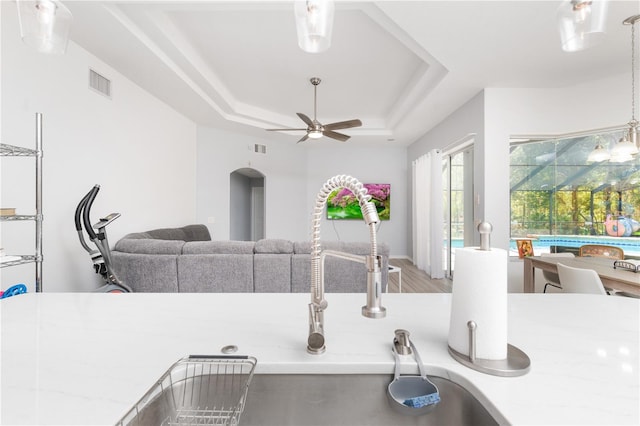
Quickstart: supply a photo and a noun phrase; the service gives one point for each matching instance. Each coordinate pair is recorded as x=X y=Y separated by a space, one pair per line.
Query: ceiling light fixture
x=314 y=24
x=44 y=25
x=629 y=144
x=581 y=23
x=599 y=153
x=315 y=134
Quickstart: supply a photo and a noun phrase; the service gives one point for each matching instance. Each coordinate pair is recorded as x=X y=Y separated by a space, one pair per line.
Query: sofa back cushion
x=274 y=246
x=219 y=247
x=272 y=266
x=341 y=276
x=197 y=232
x=149 y=246
x=215 y=273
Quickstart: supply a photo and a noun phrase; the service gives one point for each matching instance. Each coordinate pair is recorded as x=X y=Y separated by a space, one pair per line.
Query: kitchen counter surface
x=87 y=358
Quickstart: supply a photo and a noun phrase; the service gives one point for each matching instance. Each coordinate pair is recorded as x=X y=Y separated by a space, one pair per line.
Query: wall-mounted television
x=342 y=204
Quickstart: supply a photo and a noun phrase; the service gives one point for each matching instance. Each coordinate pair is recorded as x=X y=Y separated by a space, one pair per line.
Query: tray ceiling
x=399 y=66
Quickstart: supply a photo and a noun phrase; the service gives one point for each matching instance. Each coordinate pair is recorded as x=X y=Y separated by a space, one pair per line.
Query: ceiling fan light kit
x=44 y=25
x=315 y=129
x=314 y=24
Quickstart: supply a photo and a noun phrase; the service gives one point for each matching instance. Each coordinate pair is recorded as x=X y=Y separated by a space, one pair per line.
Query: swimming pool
x=542 y=243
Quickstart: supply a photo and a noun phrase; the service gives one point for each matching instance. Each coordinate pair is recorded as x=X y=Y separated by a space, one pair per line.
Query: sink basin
x=350 y=399
x=218 y=390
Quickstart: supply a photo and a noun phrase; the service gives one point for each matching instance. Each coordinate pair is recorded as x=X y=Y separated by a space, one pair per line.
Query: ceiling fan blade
x=283 y=130
x=335 y=135
x=343 y=125
x=304 y=138
x=306 y=119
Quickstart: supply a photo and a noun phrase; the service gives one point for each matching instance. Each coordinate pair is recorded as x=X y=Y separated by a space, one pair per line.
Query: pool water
x=542 y=243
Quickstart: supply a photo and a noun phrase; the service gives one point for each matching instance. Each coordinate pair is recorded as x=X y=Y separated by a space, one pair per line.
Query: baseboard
x=401 y=257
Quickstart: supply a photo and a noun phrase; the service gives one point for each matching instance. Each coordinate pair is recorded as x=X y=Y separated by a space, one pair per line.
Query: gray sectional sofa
x=187 y=260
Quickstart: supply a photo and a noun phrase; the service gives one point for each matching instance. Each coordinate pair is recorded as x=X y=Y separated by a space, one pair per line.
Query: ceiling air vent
x=260 y=149
x=99 y=83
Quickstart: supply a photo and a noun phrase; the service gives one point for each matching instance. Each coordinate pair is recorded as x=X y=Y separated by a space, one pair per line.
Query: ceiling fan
x=315 y=129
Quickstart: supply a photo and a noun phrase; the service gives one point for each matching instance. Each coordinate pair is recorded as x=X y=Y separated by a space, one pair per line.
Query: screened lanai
x=558 y=197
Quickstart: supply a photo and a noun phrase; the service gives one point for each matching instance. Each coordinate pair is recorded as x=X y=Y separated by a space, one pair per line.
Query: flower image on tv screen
x=342 y=204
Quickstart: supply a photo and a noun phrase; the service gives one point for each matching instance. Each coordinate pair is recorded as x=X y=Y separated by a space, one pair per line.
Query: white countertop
x=87 y=358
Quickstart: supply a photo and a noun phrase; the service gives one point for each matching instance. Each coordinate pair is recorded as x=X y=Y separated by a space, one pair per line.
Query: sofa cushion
x=147 y=272
x=273 y=245
x=215 y=273
x=272 y=273
x=218 y=247
x=149 y=246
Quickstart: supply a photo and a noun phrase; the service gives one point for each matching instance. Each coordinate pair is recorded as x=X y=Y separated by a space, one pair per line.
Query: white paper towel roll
x=479 y=294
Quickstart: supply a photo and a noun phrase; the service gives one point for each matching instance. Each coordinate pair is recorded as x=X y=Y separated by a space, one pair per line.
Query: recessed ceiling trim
x=119 y=15
x=424 y=80
x=224 y=103
x=180 y=42
x=219 y=97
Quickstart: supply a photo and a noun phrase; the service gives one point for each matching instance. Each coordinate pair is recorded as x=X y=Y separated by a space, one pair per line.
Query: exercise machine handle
x=87 y=209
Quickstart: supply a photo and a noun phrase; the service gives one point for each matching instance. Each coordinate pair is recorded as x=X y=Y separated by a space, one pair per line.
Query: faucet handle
x=401 y=342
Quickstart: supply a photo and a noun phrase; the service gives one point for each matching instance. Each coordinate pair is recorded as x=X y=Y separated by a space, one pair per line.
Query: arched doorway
x=247 y=205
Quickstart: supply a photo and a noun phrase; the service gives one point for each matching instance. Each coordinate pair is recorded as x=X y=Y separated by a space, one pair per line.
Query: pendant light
x=44 y=25
x=628 y=145
x=314 y=24
x=599 y=153
x=581 y=23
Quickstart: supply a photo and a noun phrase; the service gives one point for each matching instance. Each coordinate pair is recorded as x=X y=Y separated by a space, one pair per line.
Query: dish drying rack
x=196 y=390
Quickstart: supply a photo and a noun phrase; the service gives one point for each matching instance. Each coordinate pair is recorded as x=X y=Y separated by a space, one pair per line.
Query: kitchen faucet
x=373 y=262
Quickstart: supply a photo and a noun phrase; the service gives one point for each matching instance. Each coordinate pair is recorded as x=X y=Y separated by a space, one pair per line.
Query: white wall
x=368 y=165
x=294 y=173
x=139 y=150
x=284 y=167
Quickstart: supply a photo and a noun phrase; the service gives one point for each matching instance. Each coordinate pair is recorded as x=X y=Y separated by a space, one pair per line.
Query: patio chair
x=597 y=250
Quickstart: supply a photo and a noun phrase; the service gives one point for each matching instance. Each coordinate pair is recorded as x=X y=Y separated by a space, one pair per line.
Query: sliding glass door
x=457 y=178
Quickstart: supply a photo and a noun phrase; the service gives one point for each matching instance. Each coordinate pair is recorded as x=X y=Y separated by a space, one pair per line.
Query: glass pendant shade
x=581 y=23
x=598 y=154
x=314 y=24
x=44 y=25
x=624 y=147
x=620 y=158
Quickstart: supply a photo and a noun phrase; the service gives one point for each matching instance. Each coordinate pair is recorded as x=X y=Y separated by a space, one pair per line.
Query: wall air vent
x=260 y=149
x=99 y=83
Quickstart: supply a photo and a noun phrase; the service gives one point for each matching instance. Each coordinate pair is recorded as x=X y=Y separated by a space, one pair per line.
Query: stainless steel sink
x=350 y=399
x=215 y=390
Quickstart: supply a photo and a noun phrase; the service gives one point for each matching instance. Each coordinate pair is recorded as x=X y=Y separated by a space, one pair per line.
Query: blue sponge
x=424 y=400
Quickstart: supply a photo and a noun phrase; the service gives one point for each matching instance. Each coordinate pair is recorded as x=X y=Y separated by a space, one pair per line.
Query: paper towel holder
x=517 y=363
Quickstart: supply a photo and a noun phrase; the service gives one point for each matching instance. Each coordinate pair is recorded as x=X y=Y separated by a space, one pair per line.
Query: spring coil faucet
x=373 y=262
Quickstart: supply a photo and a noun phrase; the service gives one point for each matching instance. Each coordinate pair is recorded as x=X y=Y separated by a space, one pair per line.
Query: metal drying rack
x=197 y=390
